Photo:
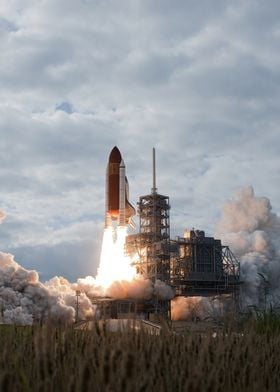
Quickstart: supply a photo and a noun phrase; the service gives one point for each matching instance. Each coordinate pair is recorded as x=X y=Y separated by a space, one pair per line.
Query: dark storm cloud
x=197 y=80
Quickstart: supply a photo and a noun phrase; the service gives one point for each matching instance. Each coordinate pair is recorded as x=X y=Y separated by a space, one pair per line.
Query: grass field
x=64 y=359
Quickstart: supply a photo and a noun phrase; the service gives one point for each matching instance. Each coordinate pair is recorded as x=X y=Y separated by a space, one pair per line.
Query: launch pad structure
x=193 y=265
x=152 y=243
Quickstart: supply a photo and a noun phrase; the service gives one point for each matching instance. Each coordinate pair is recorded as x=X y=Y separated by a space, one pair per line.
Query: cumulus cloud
x=190 y=79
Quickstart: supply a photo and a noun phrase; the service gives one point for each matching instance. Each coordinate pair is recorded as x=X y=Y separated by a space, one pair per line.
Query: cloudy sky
x=199 y=80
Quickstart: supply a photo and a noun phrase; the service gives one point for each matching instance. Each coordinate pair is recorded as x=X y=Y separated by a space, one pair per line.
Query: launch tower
x=194 y=265
x=154 y=238
x=153 y=241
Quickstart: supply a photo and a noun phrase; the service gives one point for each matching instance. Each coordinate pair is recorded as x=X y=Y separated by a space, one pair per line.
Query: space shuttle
x=117 y=206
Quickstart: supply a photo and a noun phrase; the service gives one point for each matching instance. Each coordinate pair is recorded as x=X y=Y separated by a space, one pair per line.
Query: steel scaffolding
x=194 y=265
x=154 y=237
x=202 y=266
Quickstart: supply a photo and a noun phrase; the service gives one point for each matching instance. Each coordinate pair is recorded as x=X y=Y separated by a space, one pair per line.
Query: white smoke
x=252 y=231
x=200 y=308
x=137 y=288
x=25 y=300
x=162 y=290
x=190 y=308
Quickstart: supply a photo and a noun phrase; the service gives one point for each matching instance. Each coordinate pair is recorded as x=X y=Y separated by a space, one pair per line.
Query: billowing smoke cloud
x=162 y=290
x=190 y=308
x=252 y=231
x=200 y=308
x=137 y=288
x=24 y=299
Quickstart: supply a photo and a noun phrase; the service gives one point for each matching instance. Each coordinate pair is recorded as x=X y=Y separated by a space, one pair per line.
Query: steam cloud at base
x=195 y=308
x=25 y=300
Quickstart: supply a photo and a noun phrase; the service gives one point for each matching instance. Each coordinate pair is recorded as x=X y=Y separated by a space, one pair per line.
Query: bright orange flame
x=114 y=264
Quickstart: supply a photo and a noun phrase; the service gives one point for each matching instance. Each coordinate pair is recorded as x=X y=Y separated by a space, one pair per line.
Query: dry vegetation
x=64 y=359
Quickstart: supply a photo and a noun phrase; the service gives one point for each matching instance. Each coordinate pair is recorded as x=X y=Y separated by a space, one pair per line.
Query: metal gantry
x=154 y=237
x=194 y=265
x=202 y=266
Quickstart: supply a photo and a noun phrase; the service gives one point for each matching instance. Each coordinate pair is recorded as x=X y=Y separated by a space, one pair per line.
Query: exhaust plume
x=190 y=308
x=252 y=230
x=24 y=299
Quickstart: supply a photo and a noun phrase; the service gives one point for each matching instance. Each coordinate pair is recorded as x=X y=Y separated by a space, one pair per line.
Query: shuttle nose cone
x=115 y=156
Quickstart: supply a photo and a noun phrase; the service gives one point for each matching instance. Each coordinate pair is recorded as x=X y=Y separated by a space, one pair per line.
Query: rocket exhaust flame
x=114 y=264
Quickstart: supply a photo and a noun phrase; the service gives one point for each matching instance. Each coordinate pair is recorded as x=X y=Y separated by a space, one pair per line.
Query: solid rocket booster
x=117 y=206
x=122 y=195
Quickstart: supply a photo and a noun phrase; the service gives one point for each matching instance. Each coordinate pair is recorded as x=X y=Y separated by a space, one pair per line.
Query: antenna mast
x=154 y=188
